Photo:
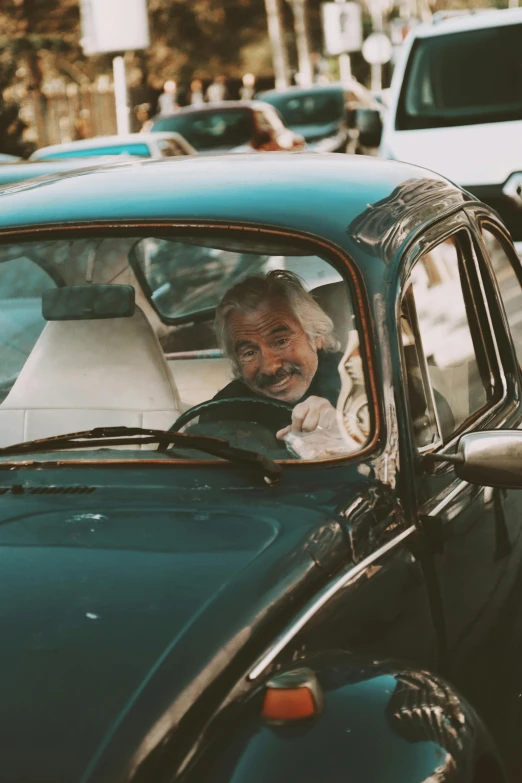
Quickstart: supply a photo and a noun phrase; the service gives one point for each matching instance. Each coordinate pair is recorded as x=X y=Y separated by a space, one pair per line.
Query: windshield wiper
x=122 y=436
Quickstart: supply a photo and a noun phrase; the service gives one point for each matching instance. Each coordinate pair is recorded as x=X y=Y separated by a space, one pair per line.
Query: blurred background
x=52 y=92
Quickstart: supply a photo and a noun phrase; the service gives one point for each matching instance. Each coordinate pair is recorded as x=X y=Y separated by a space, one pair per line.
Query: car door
x=459 y=377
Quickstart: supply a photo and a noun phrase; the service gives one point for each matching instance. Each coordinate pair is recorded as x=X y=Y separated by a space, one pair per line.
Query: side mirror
x=489 y=458
x=369 y=124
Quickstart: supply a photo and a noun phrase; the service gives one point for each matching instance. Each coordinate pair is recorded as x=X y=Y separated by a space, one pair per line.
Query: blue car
x=260 y=473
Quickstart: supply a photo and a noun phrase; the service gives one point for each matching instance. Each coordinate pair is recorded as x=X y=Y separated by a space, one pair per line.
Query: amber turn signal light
x=292 y=696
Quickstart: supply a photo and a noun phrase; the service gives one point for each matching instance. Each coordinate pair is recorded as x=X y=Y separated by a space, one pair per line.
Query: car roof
x=322 y=195
x=474 y=20
x=105 y=141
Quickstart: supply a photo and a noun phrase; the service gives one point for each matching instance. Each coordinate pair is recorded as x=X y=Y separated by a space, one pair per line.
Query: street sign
x=377 y=49
x=114 y=26
x=342 y=27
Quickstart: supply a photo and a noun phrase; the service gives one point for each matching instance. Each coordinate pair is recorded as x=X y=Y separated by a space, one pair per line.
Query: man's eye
x=282 y=341
x=246 y=356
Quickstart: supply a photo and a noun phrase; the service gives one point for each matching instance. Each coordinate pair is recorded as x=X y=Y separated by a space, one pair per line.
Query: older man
x=282 y=347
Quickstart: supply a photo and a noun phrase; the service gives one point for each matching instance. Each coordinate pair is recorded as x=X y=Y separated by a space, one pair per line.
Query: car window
x=449 y=376
x=508 y=272
x=140 y=150
x=22 y=283
x=450 y=82
x=186 y=277
x=170 y=148
x=207 y=130
x=100 y=362
x=315 y=107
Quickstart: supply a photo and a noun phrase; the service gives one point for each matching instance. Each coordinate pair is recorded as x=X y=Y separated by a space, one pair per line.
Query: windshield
x=137 y=331
x=313 y=108
x=463 y=79
x=208 y=130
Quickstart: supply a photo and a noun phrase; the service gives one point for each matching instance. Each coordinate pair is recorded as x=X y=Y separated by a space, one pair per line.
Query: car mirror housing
x=369 y=124
x=489 y=458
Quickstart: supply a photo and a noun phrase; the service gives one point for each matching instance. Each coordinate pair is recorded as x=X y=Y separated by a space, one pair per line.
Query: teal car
x=203 y=585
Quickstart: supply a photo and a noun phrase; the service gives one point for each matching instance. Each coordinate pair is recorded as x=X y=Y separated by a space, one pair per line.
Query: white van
x=456 y=106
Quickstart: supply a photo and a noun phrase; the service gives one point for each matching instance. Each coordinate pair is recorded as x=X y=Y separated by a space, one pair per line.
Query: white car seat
x=84 y=374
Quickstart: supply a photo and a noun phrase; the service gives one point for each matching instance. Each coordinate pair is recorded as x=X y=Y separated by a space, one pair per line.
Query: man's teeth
x=280 y=383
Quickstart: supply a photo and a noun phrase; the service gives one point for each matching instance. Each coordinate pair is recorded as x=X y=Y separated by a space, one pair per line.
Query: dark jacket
x=325 y=383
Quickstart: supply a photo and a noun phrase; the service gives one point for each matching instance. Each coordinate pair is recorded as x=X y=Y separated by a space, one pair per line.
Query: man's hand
x=310 y=414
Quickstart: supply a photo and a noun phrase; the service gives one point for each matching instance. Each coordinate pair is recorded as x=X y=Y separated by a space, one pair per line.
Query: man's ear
x=319 y=343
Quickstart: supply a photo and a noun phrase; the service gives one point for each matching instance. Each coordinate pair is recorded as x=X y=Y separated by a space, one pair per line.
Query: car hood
x=468 y=155
x=81 y=588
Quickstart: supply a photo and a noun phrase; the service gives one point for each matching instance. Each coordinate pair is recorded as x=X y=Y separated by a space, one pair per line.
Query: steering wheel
x=211 y=404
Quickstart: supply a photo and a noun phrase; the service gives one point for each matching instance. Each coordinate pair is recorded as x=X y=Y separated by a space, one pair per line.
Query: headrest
x=114 y=364
x=334 y=299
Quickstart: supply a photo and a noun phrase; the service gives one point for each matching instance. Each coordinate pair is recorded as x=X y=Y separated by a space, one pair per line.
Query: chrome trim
x=461 y=486
x=308 y=611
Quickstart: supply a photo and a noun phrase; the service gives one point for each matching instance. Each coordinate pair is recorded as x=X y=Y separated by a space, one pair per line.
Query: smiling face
x=272 y=350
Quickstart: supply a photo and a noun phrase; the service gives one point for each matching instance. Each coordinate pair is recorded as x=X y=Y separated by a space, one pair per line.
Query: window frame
x=458 y=228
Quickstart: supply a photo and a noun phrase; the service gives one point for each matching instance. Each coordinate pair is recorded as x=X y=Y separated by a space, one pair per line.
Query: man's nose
x=271 y=362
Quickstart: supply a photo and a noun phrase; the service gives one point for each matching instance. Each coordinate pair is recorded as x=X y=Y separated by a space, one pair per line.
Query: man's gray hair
x=278 y=284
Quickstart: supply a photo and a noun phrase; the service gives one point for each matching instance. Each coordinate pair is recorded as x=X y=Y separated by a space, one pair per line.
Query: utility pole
x=301 y=39
x=275 y=34
x=345 y=64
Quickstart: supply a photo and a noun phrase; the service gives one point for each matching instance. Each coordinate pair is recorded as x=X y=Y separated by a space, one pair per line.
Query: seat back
x=84 y=374
x=334 y=299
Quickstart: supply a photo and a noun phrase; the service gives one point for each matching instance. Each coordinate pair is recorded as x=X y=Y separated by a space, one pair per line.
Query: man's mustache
x=263 y=381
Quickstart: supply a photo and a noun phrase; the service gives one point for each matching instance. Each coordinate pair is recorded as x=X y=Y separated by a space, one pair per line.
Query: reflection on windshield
x=207 y=130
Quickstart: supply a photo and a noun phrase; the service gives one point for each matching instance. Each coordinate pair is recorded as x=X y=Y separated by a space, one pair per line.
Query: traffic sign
x=342 y=27
x=377 y=49
x=113 y=26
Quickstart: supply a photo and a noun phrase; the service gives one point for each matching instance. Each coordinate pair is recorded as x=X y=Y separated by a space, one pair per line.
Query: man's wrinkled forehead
x=266 y=320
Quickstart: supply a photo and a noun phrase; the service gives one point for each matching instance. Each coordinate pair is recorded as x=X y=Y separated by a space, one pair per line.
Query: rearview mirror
x=490 y=458
x=88 y=302
x=369 y=124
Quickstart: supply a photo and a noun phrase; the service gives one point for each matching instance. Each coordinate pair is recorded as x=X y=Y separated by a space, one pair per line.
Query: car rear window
x=463 y=79
x=309 y=108
x=208 y=130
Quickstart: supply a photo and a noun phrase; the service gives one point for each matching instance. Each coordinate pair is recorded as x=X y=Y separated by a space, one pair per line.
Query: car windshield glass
x=309 y=108
x=207 y=130
x=463 y=79
x=125 y=332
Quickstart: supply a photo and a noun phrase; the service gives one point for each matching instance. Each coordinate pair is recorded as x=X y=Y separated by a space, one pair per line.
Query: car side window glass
x=170 y=148
x=22 y=283
x=508 y=272
x=448 y=370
